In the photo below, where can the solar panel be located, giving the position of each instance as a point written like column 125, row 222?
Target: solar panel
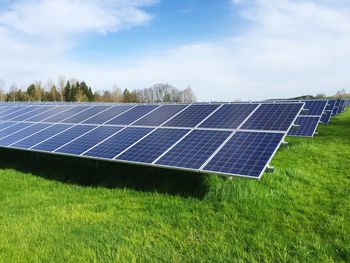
column 229, row 116
column 132, row 115
column 14, row 137
column 59, row 140
column 36, row 138
column 45, row 115
column 191, row 116
column 84, row 143
column 151, row 147
column 108, row 114
column 84, row 115
column 194, row 149
column 160, row 115
column 118, row 143
column 18, row 113
column 178, row 136
column 308, row 126
column 66, row 114
column 326, row 117
column 277, row 117
column 315, row 108
column 246, row 153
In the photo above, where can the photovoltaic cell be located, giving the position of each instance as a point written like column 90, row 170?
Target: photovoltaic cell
column 160, row 115
column 88, row 140
column 132, row 115
column 118, row 143
column 10, row 110
column 48, row 114
column 194, row 149
column 229, row 116
column 80, row 117
column 5, row 125
column 17, row 113
column 246, row 153
column 63, row 138
column 14, row 128
column 273, row 117
column 66, row 114
column 151, row 147
column 32, row 113
column 41, row 136
column 192, row 116
column 315, row 108
column 307, row 127
column 108, row 114
column 14, row 137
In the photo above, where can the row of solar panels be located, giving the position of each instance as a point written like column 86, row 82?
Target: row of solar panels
column 233, row 139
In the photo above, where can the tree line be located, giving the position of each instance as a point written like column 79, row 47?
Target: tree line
column 73, row 90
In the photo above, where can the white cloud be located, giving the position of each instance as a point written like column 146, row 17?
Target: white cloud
column 288, row 48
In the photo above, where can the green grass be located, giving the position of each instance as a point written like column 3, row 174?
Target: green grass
column 54, row 209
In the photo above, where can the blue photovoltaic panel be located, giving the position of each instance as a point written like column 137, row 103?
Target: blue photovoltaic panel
column 151, row 147
column 66, row 114
column 307, row 127
column 229, row 116
column 160, row 115
column 63, row 138
column 315, row 108
column 246, row 153
column 48, row 114
column 336, row 105
column 18, row 113
column 108, row 114
column 14, row 128
column 273, row 117
column 88, row 140
column 132, row 115
column 118, row 143
column 330, row 105
column 14, row 137
column 5, row 125
column 30, row 114
column 340, row 107
column 326, row 116
column 194, row 149
column 80, row 117
column 192, row 116
column 10, row 110
column 41, row 136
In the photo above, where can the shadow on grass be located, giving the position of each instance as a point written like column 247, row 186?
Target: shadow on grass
column 86, row 172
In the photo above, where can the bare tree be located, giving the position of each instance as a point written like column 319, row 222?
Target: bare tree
column 61, row 82
column 116, row 94
column 2, row 90
column 341, row 93
column 13, row 91
column 188, row 95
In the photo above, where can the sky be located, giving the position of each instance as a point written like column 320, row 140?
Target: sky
column 223, row 49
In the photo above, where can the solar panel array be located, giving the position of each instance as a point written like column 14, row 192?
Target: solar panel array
column 224, row 138
column 309, row 119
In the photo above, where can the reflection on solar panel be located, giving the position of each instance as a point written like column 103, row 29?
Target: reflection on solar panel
column 308, row 126
column 246, row 153
column 236, row 138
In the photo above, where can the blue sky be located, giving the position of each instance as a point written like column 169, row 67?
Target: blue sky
column 223, row 49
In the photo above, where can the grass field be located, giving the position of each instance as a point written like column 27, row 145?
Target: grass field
column 54, row 209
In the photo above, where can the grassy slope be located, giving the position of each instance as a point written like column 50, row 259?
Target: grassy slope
column 299, row 213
